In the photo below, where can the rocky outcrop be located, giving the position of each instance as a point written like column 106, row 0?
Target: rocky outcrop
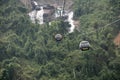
column 68, row 3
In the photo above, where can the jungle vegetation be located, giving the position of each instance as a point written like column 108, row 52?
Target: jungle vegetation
column 29, row 51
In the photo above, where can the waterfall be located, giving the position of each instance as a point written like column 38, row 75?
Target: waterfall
column 36, row 15
column 35, row 3
column 71, row 22
column 59, row 12
column 32, row 15
column 39, row 16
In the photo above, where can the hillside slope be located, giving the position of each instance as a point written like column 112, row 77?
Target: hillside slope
column 30, row 52
column 68, row 3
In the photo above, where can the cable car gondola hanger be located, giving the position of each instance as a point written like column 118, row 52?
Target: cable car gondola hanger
column 85, row 45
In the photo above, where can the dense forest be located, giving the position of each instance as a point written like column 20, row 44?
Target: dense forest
column 29, row 51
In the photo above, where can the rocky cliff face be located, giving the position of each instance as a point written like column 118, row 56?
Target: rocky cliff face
column 57, row 2
column 60, row 9
column 68, row 3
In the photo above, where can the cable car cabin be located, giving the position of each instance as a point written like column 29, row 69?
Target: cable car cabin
column 58, row 37
column 84, row 45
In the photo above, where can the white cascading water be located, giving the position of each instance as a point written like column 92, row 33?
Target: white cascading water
column 35, row 3
column 32, row 15
column 58, row 13
column 37, row 15
column 71, row 22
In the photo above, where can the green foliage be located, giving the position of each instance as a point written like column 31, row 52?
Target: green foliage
column 30, row 52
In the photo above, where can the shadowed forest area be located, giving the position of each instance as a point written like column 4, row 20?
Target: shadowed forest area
column 29, row 51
